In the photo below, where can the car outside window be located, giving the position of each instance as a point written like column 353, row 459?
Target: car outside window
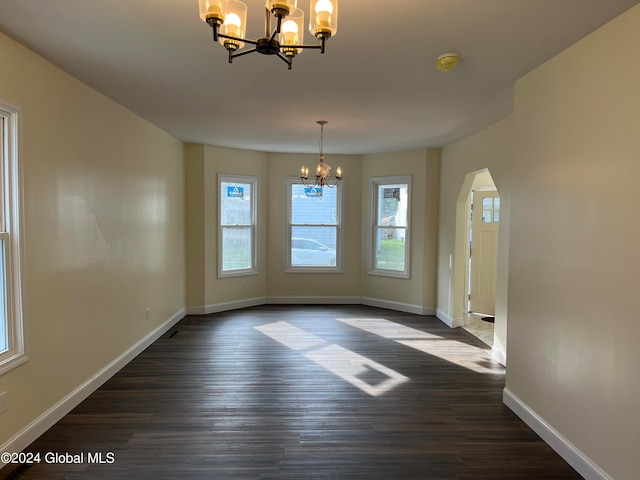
column 314, row 234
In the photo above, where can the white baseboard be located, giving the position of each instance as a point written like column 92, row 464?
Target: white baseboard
column 449, row 320
column 226, row 306
column 574, row 457
column 314, row 300
column 399, row 306
column 31, row 432
column 499, row 355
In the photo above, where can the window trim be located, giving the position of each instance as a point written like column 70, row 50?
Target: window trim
column 374, row 184
column 11, row 191
column 288, row 268
column 253, row 181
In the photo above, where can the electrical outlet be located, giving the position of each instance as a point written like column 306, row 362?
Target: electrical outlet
column 3, row 402
column 146, row 314
column 379, row 284
column 245, row 284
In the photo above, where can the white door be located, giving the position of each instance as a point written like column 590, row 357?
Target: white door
column 485, row 218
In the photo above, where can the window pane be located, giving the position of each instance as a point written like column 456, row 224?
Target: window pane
column 313, row 246
column 237, row 248
column 390, row 249
column 235, row 201
column 313, row 206
column 392, row 205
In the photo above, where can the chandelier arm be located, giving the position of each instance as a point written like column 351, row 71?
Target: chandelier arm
column 286, row 60
column 245, row 52
column 240, row 39
column 277, row 29
column 314, row 47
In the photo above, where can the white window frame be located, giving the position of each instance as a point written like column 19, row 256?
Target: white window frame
column 253, row 181
column 375, row 183
column 290, row 181
column 11, row 234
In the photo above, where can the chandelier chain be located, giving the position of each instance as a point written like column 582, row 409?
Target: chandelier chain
column 322, row 124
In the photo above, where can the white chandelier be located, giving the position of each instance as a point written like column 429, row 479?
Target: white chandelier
column 228, row 19
column 323, row 169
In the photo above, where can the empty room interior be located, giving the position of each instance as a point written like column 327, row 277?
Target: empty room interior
column 441, row 297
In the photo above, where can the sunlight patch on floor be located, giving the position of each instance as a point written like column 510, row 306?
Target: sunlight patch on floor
column 386, row 329
column 459, row 353
column 291, row 336
column 369, row 376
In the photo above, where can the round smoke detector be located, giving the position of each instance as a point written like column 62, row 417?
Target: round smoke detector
column 447, row 62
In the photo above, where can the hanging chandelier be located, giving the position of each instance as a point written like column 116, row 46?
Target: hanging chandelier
column 228, row 19
column 323, row 169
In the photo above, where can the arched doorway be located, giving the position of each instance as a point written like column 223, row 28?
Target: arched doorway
column 482, row 282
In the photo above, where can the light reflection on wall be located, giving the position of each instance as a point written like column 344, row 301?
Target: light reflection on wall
column 110, row 220
column 369, row 376
column 151, row 215
column 79, row 241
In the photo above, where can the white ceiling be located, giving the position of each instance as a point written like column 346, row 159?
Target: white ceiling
column 377, row 85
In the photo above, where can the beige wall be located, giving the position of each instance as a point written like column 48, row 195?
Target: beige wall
column 490, row 150
column 205, row 292
column 286, row 286
column 567, row 163
column 220, row 160
column 574, row 267
column 195, row 224
column 104, row 232
column 424, row 168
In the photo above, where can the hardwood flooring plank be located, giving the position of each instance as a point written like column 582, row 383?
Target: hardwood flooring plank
column 313, row 392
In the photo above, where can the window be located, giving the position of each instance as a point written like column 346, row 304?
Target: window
column 314, row 228
column 491, row 210
column 390, row 221
column 237, row 219
column 12, row 345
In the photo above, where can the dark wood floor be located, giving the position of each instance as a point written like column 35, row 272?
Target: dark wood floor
column 292, row 393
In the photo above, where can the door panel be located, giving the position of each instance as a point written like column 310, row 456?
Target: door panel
column 484, row 252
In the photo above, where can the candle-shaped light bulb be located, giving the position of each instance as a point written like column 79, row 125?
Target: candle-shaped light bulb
column 233, row 23
column 324, row 6
column 339, row 172
column 289, row 31
column 324, row 9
